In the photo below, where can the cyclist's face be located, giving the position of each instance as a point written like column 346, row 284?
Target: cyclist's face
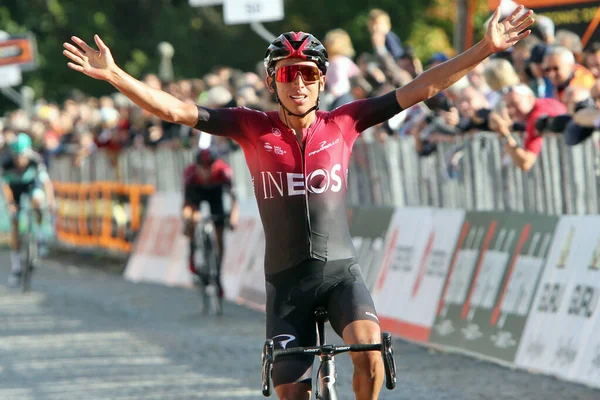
column 21, row 160
column 299, row 93
column 203, row 170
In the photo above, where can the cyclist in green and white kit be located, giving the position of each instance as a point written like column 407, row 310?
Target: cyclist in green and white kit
column 24, row 173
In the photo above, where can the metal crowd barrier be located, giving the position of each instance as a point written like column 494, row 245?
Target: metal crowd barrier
column 564, row 180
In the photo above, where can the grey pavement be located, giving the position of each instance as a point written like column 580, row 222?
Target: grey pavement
column 83, row 333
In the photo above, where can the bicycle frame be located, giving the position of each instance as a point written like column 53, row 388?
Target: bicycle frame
column 327, row 372
column 30, row 252
column 205, row 240
column 30, row 242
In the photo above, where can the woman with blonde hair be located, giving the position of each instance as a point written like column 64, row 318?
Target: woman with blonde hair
column 341, row 67
column 499, row 74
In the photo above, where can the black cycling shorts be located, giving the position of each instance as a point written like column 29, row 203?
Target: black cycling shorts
column 292, row 297
column 18, row 190
column 195, row 194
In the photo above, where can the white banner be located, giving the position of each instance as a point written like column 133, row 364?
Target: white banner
column 240, row 247
column 405, row 242
column 252, row 281
column 487, row 282
column 523, row 281
column 459, row 281
column 161, row 251
column 204, row 3
column 563, row 313
column 10, row 75
column 583, row 312
column 415, row 307
column 248, row 11
column 587, row 368
column 408, row 244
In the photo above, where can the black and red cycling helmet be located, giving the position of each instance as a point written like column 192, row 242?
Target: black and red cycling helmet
column 206, row 157
column 299, row 45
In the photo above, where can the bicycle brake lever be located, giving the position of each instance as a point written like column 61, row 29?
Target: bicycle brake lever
column 267, row 365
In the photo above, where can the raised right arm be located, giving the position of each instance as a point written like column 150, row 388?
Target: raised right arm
column 155, row 101
column 100, row 64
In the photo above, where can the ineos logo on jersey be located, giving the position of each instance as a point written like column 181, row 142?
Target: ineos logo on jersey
column 324, row 146
column 319, row 180
column 276, row 132
column 294, row 184
column 268, row 147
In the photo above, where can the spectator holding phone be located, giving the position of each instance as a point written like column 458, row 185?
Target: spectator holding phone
column 523, row 107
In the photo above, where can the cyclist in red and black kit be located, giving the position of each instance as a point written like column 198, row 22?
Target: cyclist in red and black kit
column 205, row 180
column 298, row 159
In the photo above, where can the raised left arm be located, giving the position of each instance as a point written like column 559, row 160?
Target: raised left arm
column 499, row 37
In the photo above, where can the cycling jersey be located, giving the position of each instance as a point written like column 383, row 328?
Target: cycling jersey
column 198, row 188
column 300, row 188
column 24, row 181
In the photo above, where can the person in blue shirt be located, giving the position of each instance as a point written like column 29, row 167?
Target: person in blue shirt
column 379, row 21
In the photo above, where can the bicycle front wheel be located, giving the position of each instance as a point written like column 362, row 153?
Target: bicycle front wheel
column 30, row 255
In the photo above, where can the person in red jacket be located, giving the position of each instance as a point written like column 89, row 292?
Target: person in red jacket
column 522, row 106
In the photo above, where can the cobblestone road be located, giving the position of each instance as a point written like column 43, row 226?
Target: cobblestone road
column 87, row 334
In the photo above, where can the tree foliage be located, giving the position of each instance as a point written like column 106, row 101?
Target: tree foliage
column 133, row 28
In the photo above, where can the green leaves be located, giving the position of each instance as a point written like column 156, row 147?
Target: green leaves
column 133, row 29
column 56, row 9
column 137, row 64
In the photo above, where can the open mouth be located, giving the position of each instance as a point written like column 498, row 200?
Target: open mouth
column 298, row 99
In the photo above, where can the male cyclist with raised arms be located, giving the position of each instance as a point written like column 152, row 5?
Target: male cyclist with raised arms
column 298, row 158
column 204, row 180
column 24, row 173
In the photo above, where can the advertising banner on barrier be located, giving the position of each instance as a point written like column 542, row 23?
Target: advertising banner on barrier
column 566, row 304
column 587, row 368
column 411, row 311
column 492, row 282
column 100, row 214
column 368, row 227
column 252, row 280
column 240, row 247
column 409, row 236
column 161, row 250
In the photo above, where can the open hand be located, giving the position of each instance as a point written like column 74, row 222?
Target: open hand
column 502, row 35
column 93, row 63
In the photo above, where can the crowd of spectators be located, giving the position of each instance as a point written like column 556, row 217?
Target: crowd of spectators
column 535, row 88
